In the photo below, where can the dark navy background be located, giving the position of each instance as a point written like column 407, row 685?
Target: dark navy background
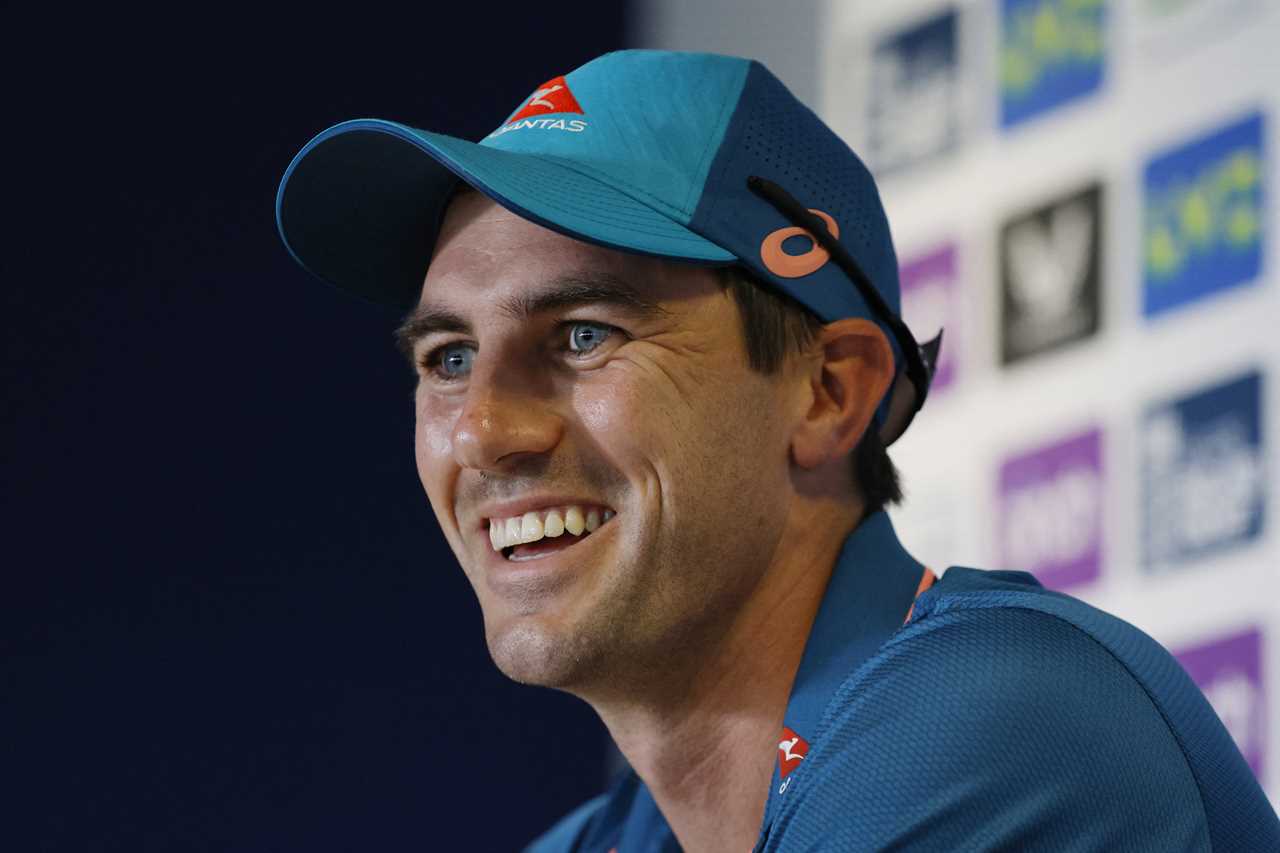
column 229, row 619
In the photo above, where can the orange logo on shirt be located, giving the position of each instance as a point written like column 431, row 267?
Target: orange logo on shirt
column 552, row 96
column 791, row 751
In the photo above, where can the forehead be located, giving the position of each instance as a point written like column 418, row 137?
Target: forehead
column 485, row 252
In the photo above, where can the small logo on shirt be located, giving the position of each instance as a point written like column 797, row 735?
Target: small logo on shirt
column 791, row 751
column 552, row 96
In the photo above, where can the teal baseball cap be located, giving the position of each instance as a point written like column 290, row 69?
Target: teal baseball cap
column 694, row 157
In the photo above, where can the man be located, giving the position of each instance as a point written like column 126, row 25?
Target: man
column 654, row 321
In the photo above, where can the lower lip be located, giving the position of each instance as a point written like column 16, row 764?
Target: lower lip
column 541, row 571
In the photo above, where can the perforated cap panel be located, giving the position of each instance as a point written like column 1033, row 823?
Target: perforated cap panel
column 774, row 136
column 820, row 170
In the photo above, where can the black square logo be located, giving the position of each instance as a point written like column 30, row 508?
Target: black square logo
column 1050, row 263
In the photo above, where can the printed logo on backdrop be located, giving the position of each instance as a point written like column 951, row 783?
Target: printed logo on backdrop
column 1204, row 477
column 931, row 301
column 1202, row 216
column 914, row 97
column 1051, row 510
column 1229, row 673
column 1050, row 263
column 1051, row 52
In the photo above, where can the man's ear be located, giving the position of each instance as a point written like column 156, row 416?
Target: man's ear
column 847, row 381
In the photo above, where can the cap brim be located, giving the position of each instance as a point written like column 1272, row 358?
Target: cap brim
column 360, row 205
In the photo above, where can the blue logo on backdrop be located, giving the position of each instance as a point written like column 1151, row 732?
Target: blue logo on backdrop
column 1204, row 476
column 1202, row 216
column 1051, row 52
column 915, row 93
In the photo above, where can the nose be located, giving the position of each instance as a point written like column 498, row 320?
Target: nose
column 500, row 426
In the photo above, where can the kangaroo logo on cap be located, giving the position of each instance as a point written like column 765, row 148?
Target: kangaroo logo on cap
column 785, row 265
column 552, row 96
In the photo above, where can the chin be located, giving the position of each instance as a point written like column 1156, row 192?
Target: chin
column 533, row 654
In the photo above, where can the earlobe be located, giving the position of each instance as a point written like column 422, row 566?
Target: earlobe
column 847, row 382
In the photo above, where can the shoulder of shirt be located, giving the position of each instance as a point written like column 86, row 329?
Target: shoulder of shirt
column 993, row 674
column 566, row 834
column 596, row 820
column 975, row 590
column 1010, row 615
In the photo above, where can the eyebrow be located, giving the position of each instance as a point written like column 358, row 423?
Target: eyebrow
column 567, row 291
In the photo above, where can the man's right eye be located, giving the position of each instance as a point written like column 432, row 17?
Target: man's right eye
column 451, row 361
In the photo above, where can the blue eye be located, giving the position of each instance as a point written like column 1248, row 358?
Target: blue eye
column 584, row 337
column 452, row 361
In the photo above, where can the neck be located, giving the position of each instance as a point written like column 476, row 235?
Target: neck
column 704, row 739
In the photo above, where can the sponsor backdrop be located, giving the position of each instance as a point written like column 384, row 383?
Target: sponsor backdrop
column 1080, row 195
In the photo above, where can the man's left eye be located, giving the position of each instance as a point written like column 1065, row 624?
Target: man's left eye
column 585, row 337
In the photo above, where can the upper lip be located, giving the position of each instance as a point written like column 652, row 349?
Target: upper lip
column 533, row 503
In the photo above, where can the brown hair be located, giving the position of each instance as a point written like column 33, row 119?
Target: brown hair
column 775, row 325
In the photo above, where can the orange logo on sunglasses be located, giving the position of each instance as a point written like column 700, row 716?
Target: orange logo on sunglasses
column 785, row 265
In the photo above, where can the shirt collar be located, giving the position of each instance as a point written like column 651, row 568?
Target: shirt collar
column 872, row 588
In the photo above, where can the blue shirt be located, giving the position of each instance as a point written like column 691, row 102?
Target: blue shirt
column 979, row 712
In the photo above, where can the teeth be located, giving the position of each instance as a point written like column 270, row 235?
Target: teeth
column 532, row 526
column 573, row 521
column 554, row 525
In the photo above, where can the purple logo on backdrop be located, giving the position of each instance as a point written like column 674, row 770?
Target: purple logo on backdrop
column 930, row 302
column 1229, row 672
column 1051, row 511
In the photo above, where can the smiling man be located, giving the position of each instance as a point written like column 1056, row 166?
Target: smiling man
column 654, row 320
column 571, row 434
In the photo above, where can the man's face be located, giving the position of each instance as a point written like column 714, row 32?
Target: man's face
column 556, row 374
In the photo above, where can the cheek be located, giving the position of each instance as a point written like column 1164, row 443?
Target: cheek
column 603, row 408
column 703, row 433
column 627, row 420
column 432, row 445
column 438, row 471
